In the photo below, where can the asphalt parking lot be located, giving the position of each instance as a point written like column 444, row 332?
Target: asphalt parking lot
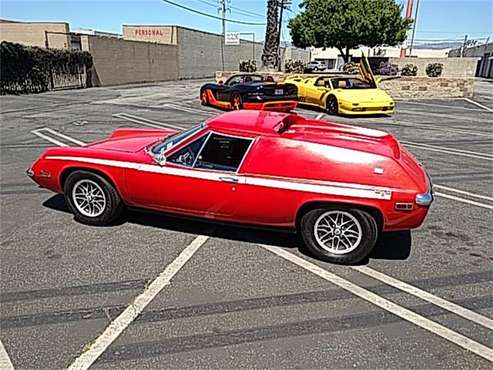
column 242, row 297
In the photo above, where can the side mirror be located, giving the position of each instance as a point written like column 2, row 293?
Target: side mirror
column 160, row 159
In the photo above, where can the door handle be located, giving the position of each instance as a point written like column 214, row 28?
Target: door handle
column 229, row 179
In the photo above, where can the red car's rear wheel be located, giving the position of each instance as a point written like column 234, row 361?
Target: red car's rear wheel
column 339, row 235
column 91, row 198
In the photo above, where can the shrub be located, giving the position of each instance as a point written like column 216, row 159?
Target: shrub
column 248, row 65
column 409, row 70
column 350, row 67
column 434, row 69
column 387, row 69
column 294, row 66
column 25, row 69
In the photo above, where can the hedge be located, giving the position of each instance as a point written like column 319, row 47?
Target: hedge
column 25, row 69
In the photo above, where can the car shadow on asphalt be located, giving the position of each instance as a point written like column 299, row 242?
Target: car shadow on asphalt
column 390, row 246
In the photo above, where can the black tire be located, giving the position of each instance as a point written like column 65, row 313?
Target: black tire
column 332, row 105
column 113, row 205
column 369, row 235
column 204, row 99
column 234, row 98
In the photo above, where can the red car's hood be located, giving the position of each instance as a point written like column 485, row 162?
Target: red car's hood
column 131, row 140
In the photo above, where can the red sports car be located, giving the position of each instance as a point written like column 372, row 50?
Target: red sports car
column 338, row 186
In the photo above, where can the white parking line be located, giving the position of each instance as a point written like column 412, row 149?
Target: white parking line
column 41, row 132
column 117, row 326
column 319, row 116
column 443, row 115
column 5, row 363
column 462, row 192
column 439, row 105
column 462, row 200
column 188, row 109
column 63, row 136
column 425, row 126
column 402, row 312
column 478, row 104
column 43, row 136
column 146, row 121
column 435, row 149
column 437, row 301
column 448, row 148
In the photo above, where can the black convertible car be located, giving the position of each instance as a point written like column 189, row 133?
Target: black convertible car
column 250, row 91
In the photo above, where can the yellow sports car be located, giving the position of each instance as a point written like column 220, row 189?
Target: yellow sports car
column 344, row 94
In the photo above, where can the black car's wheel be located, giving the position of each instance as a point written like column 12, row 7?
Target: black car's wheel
column 339, row 235
column 236, row 103
column 332, row 105
column 204, row 99
column 92, row 199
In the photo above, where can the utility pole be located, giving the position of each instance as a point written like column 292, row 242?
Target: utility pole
column 409, row 13
column 283, row 4
column 414, row 27
column 463, row 47
column 223, row 8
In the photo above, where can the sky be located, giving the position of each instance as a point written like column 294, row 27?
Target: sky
column 437, row 19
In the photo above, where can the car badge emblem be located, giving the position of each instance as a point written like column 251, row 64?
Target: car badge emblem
column 378, row 170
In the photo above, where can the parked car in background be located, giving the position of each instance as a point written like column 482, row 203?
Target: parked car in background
column 350, row 94
column 338, row 186
column 315, row 66
column 342, row 94
column 250, row 91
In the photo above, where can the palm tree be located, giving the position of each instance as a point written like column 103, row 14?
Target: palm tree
column 271, row 46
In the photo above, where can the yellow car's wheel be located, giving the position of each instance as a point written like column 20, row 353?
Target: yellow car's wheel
column 332, row 105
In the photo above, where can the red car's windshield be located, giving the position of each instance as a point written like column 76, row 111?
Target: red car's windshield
column 175, row 139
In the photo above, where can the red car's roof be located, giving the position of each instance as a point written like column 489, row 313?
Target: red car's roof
column 253, row 121
column 293, row 126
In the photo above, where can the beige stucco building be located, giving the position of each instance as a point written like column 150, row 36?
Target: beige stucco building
column 42, row 34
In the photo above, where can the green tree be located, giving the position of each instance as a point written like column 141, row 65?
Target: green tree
column 347, row 24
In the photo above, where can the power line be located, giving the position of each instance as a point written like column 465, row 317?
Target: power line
column 239, row 10
column 212, row 16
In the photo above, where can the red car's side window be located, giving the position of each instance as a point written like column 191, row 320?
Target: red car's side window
column 223, row 153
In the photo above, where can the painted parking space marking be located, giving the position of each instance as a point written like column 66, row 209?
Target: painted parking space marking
column 190, row 109
column 319, row 116
column 462, row 192
column 448, row 116
column 55, row 137
column 447, row 148
column 146, row 122
column 48, row 138
column 385, row 304
column 463, row 200
column 439, row 106
column 117, row 326
column 478, row 104
column 437, row 301
column 63, row 136
column 484, row 156
column 5, row 363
